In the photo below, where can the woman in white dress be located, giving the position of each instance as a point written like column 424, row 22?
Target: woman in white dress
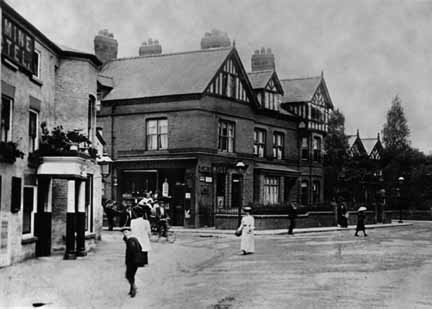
column 247, row 227
column 140, row 231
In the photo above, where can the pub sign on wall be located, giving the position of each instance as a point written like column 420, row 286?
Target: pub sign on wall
column 17, row 45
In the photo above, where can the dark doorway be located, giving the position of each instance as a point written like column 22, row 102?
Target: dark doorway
column 235, row 191
column 178, row 202
column 43, row 219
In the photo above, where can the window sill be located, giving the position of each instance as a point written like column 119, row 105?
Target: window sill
column 26, row 240
column 10, row 64
column 90, row 235
column 36, row 80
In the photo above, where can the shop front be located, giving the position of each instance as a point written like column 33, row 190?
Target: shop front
column 170, row 181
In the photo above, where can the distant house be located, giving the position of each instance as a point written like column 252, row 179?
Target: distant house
column 370, row 147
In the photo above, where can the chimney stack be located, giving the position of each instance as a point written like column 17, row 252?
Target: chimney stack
column 105, row 46
column 151, row 47
column 215, row 39
column 263, row 60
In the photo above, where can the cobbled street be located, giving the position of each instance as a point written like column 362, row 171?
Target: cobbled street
column 389, row 269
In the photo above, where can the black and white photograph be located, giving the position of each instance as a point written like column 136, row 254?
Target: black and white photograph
column 216, row 154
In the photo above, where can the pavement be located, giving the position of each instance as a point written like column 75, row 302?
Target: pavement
column 213, row 231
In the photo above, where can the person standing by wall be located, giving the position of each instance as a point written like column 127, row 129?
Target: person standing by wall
column 247, row 226
column 292, row 215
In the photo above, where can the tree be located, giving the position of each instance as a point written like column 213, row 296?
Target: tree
column 396, row 132
column 336, row 146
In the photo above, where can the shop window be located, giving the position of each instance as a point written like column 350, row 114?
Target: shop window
column 316, row 192
column 28, row 210
column 33, row 130
column 304, row 187
column 259, row 143
column 271, row 190
column 278, row 145
column 304, row 148
column 317, row 149
column 226, row 136
column 157, row 134
column 89, row 204
column 6, row 119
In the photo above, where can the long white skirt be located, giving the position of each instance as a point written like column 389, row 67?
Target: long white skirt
column 247, row 241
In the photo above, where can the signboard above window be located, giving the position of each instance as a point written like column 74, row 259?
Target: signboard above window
column 17, row 45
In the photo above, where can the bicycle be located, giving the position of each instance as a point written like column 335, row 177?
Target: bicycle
column 158, row 232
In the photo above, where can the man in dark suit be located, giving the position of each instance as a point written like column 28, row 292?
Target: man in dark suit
column 161, row 218
column 292, row 215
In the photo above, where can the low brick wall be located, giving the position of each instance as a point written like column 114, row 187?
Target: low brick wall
column 413, row 215
column 310, row 219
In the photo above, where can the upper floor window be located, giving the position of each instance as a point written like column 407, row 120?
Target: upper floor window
column 91, row 118
column 6, row 119
column 271, row 190
column 157, row 134
column 304, row 148
column 259, row 143
column 278, row 145
column 226, row 133
column 37, row 64
column 33, row 130
column 270, row 100
column 317, row 149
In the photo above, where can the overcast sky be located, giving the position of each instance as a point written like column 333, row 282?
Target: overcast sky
column 369, row 50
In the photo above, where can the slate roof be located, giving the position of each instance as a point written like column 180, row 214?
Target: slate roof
column 105, row 81
column 299, row 89
column 165, row 74
column 351, row 140
column 259, row 79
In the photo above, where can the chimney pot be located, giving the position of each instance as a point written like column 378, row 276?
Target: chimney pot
column 262, row 60
column 105, row 46
column 214, row 39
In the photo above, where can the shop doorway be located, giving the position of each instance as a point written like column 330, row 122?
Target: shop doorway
column 178, row 209
column 236, row 191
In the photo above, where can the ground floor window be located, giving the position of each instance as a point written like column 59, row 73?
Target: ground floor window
column 316, row 192
column 28, row 210
column 271, row 190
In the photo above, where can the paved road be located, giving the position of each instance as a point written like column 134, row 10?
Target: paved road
column 389, row 269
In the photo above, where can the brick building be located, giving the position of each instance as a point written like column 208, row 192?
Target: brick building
column 186, row 121
column 45, row 203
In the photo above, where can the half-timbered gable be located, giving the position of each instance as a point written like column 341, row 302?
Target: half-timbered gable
column 267, row 88
column 309, row 99
column 230, row 81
